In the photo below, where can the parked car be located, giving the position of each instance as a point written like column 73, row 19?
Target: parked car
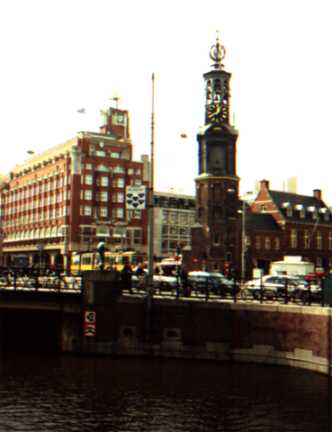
column 216, row 283
column 160, row 282
column 308, row 290
column 272, row 287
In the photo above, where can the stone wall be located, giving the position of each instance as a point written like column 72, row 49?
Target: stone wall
column 298, row 336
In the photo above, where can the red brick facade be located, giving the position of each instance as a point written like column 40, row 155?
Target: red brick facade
column 72, row 196
column 302, row 227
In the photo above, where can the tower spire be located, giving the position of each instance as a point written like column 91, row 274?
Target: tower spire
column 217, row 54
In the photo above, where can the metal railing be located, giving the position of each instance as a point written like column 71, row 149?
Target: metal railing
column 234, row 291
column 34, row 280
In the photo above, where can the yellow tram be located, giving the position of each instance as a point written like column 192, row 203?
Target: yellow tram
column 86, row 261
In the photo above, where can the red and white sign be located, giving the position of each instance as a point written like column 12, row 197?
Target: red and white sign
column 89, row 323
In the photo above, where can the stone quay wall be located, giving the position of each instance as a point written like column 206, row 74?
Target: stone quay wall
column 291, row 335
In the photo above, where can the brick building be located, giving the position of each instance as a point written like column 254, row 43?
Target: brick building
column 215, row 235
column 283, row 223
column 229, row 234
column 72, row 196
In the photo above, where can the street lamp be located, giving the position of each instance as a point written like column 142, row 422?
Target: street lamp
column 245, row 199
column 243, row 242
column 150, row 199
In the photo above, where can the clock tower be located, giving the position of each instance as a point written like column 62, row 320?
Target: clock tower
column 215, row 242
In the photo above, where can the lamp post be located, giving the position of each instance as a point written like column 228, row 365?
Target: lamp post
column 150, row 196
column 243, row 242
column 245, row 199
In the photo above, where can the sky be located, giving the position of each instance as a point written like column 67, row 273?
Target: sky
column 60, row 56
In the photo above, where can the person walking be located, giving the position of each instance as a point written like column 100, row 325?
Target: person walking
column 126, row 275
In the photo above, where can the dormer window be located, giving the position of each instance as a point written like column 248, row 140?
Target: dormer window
column 300, row 208
column 325, row 212
column 288, row 208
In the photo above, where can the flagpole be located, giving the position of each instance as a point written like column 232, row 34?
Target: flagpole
column 150, row 207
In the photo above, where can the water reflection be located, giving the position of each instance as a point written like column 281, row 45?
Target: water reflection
column 62, row 393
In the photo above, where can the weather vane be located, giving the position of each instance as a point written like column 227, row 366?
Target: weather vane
column 217, row 53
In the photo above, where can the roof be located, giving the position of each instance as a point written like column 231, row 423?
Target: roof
column 294, row 199
column 310, row 204
column 262, row 222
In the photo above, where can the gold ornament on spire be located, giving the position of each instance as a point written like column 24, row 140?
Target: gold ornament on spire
column 217, row 54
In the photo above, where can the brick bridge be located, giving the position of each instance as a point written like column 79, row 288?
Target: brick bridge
column 101, row 320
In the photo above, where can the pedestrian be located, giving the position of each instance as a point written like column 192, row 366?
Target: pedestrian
column 184, row 281
column 126, row 274
column 140, row 273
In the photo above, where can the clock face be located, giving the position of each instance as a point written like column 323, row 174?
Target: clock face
column 119, row 119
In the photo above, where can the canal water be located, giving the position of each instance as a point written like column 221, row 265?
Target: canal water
column 64, row 393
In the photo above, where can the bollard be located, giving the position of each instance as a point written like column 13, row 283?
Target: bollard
column 286, row 291
column 207, row 289
column 261, row 290
column 234, row 290
column 309, row 293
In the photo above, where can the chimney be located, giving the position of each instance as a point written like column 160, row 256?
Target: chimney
column 265, row 184
column 318, row 194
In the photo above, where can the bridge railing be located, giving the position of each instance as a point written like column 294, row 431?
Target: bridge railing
column 34, row 280
column 311, row 294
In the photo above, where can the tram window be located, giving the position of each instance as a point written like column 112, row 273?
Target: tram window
column 86, row 260
column 75, row 259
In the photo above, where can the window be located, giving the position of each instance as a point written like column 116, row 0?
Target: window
column 117, row 213
column 330, row 240
column 302, row 213
column 258, row 242
column 267, row 243
column 293, row 238
column 277, row 243
column 319, row 240
column 119, row 182
column 306, row 239
column 263, row 208
column 103, row 211
column 88, row 179
column 104, row 181
column 119, row 170
column 137, row 236
column 289, row 212
column 86, row 210
column 102, row 196
column 118, row 197
column 88, row 194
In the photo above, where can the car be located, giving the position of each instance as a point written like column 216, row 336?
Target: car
column 272, row 287
column 216, row 283
column 160, row 282
column 308, row 290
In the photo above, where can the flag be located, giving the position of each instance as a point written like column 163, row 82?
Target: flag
column 81, row 111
